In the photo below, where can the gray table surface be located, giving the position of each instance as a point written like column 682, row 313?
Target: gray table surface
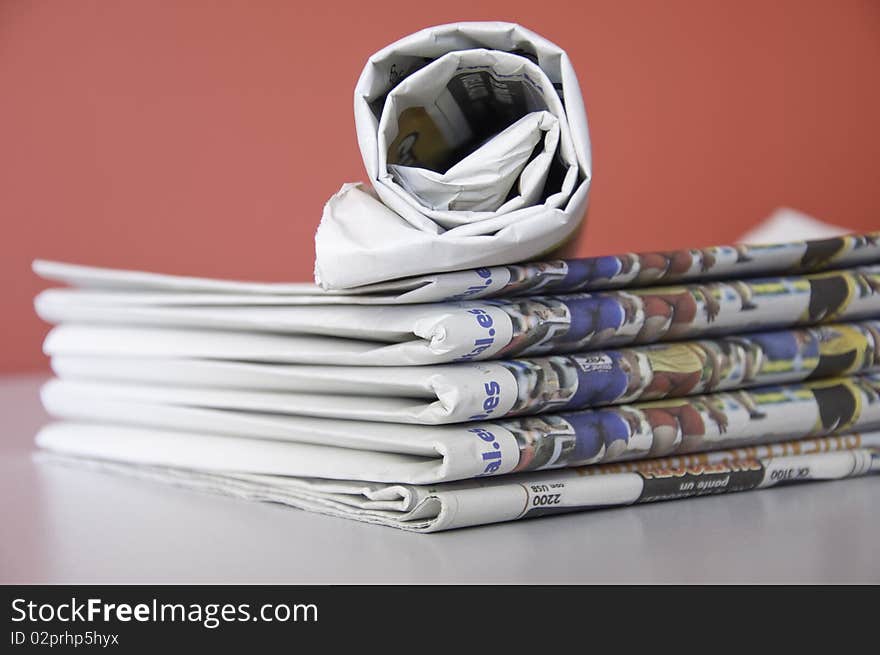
column 63, row 525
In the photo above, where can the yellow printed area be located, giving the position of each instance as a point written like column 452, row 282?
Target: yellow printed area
column 675, row 359
column 845, row 339
column 419, row 141
column 774, row 288
column 749, row 453
column 786, row 365
column 776, row 397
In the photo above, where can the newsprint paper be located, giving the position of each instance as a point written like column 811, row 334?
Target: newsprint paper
column 395, row 335
column 471, row 391
column 432, row 508
column 172, row 427
column 561, row 276
column 448, row 367
column 475, row 141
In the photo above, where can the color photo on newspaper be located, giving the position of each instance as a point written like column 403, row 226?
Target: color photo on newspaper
column 564, row 276
column 696, row 424
column 581, row 322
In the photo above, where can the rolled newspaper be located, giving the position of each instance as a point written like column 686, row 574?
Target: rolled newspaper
column 475, row 141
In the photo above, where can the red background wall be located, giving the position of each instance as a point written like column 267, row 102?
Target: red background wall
column 204, row 137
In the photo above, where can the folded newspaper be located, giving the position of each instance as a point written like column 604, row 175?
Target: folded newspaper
column 491, row 329
column 452, row 393
column 146, row 380
column 197, row 429
column 446, row 370
column 552, row 276
column 432, row 508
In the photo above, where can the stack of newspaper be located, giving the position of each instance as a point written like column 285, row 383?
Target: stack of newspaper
column 366, row 405
column 434, row 400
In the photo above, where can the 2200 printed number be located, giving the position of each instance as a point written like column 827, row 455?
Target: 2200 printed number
column 546, row 499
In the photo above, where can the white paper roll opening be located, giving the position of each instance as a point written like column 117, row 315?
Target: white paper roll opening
column 475, row 140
